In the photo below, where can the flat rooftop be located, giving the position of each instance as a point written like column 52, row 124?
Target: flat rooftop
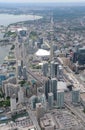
column 47, row 121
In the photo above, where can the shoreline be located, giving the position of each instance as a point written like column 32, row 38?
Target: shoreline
column 30, row 18
column 13, row 19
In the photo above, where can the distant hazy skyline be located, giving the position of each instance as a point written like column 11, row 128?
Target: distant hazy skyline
column 40, row 1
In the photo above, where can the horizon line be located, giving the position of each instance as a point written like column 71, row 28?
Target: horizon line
column 43, row 2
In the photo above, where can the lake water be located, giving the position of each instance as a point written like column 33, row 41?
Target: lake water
column 3, row 52
column 6, row 19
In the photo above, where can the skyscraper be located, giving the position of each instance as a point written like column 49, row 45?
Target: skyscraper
column 39, row 110
column 60, row 72
column 52, row 69
column 24, row 73
column 13, row 102
column 43, row 100
column 34, row 100
column 19, row 69
column 45, row 68
column 50, row 99
column 81, row 56
column 60, row 98
column 21, row 95
column 47, row 88
column 54, row 88
column 56, row 68
column 75, row 96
